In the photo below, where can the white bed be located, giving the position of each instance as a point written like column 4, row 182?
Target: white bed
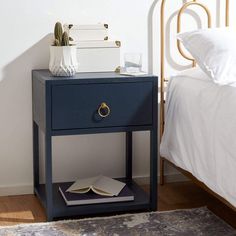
column 200, row 130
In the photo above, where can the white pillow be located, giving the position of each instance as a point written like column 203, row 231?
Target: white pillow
column 214, row 51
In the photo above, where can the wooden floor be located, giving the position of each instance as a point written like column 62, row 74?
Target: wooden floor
column 26, row 208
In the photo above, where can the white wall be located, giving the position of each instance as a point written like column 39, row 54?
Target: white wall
column 24, row 42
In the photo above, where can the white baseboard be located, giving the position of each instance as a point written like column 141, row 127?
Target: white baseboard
column 16, row 190
column 28, row 189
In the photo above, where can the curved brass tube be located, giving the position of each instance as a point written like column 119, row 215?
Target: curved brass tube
column 179, row 21
column 162, row 69
column 227, row 13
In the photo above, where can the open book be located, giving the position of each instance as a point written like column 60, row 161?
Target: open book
column 101, row 185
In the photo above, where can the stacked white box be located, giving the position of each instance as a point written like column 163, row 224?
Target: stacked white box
column 87, row 32
column 94, row 52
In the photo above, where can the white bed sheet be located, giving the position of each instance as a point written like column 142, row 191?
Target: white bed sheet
column 200, row 130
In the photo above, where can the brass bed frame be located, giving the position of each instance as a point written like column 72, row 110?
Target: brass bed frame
column 164, row 80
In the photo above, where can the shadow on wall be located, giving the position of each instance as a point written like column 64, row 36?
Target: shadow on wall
column 36, row 57
column 151, row 36
column 218, row 13
column 16, row 81
column 17, row 74
column 16, row 103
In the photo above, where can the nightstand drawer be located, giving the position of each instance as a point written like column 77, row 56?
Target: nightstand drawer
column 121, row 104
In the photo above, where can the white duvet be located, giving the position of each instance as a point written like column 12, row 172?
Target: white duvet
column 200, row 130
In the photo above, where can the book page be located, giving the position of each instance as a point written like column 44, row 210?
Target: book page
column 108, row 185
column 100, row 192
column 82, row 185
column 83, row 190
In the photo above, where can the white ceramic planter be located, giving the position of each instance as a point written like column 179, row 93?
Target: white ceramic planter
column 63, row 60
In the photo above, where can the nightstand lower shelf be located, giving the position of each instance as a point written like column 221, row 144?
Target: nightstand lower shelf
column 141, row 202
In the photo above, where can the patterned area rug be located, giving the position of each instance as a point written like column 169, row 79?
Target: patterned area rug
column 181, row 222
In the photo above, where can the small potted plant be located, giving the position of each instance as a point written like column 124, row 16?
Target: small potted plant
column 63, row 59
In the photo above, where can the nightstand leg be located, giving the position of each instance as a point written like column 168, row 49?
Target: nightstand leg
column 129, row 154
column 48, row 176
column 153, row 169
column 36, row 154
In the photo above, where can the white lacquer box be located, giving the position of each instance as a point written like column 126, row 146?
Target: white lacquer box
column 98, row 56
column 87, row 32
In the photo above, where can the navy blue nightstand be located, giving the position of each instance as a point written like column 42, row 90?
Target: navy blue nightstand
column 91, row 103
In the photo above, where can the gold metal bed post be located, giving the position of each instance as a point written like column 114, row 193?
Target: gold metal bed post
column 162, row 65
column 227, row 13
column 162, row 75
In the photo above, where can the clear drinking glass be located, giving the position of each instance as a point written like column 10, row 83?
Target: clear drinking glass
column 133, row 62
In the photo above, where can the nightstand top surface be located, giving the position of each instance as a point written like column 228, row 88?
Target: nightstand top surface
column 45, row 75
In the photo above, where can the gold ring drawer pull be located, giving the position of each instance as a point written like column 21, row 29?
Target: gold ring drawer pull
column 104, row 110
